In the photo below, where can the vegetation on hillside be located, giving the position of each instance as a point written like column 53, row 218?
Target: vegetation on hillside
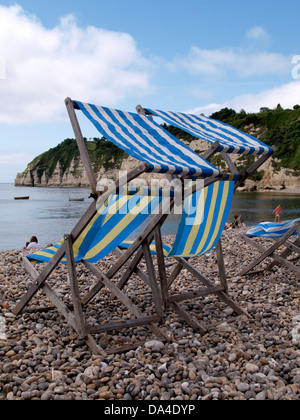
column 276, row 127
column 102, row 153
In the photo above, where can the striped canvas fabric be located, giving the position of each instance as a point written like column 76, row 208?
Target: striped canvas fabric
column 203, row 220
column 271, row 230
column 113, row 223
column 166, row 248
column 204, row 128
column 202, row 223
column 147, row 141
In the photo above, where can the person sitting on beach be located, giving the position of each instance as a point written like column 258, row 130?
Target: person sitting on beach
column 235, row 223
column 277, row 212
column 33, row 243
column 242, row 223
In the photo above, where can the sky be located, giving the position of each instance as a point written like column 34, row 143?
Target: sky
column 189, row 56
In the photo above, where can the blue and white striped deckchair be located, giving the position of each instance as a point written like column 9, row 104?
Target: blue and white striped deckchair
column 281, row 233
column 272, row 230
column 231, row 140
column 147, row 141
column 97, row 234
column 113, row 223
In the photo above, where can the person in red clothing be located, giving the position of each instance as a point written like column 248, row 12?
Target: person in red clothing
column 277, row 212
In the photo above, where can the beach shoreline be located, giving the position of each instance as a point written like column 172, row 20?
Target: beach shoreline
column 288, row 191
column 237, row 359
column 292, row 191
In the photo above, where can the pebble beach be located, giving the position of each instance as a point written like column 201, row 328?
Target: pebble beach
column 238, row 358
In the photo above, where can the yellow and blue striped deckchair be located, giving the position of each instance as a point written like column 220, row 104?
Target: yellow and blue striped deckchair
column 152, row 246
column 203, row 220
column 204, row 217
column 112, row 224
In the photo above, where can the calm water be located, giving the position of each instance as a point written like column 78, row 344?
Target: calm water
column 49, row 214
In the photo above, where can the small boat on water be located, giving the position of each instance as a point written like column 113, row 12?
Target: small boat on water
column 22, row 198
column 76, row 199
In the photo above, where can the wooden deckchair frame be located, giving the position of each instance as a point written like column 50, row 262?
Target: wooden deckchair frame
column 74, row 316
column 130, row 258
column 278, row 259
column 210, row 288
column 243, row 174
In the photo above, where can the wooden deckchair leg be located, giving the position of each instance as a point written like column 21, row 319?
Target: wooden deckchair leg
column 161, row 267
column 221, row 294
column 175, row 273
column 152, row 279
column 126, row 255
column 133, row 267
column 40, row 280
column 74, row 288
column 270, row 253
column 143, row 276
column 50, row 267
column 286, row 253
column 110, row 274
column 81, row 146
column 122, row 297
column 183, row 263
column 62, row 309
column 56, row 301
column 221, row 265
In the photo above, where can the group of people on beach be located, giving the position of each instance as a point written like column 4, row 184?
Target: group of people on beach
column 238, row 222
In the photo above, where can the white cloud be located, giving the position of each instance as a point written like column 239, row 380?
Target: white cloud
column 220, row 63
column 258, row 33
column 2, row 68
column 44, row 66
column 286, row 95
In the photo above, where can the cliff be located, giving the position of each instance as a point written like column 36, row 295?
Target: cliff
column 62, row 166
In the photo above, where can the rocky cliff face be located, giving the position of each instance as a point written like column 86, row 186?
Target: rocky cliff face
column 275, row 179
column 273, row 176
column 74, row 176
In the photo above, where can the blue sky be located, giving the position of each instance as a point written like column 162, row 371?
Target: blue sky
column 192, row 55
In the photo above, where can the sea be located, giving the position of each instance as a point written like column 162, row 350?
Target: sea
column 49, row 213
